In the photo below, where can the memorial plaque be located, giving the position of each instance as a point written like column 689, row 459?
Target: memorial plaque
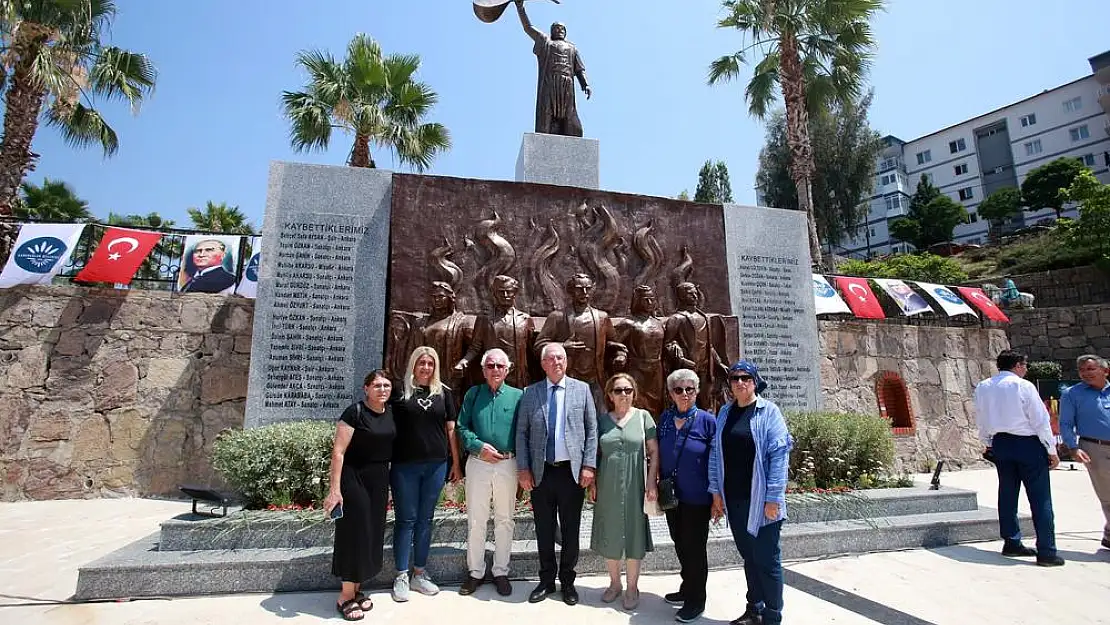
column 320, row 311
column 771, row 287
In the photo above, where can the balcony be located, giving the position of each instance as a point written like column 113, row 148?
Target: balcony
column 1104, row 99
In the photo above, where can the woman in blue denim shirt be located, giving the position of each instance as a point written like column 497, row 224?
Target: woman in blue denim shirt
column 748, row 470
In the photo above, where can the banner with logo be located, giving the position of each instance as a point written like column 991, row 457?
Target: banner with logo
column 826, row 298
column 208, row 264
column 907, row 299
column 860, row 299
column 949, row 301
column 248, row 284
column 118, row 256
column 39, row 253
column 985, row 304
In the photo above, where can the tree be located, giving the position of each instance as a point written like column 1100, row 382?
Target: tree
column 713, row 184
column 1092, row 229
column 1046, row 186
column 371, row 96
column 924, row 266
column 220, row 218
column 815, row 51
column 930, row 223
column 54, row 64
column 1000, row 206
column 53, row 201
column 845, row 149
column 684, row 196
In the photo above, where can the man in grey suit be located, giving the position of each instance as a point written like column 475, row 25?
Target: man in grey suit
column 556, row 452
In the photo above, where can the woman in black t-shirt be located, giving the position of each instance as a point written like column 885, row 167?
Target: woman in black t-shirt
column 359, row 483
column 425, row 415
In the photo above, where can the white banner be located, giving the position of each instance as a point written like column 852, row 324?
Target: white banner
column 907, row 299
column 951, row 303
column 208, row 264
column 826, row 298
column 39, row 253
column 248, row 283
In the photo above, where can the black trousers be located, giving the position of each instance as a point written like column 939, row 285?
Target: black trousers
column 558, row 498
column 689, row 525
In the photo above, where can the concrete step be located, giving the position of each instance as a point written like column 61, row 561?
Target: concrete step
column 300, row 530
column 141, row 570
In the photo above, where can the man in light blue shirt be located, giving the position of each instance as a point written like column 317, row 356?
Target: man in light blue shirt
column 1085, row 428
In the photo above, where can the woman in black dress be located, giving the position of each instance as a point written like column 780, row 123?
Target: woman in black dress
column 360, row 483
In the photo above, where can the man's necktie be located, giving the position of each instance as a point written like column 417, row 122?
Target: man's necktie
column 552, row 415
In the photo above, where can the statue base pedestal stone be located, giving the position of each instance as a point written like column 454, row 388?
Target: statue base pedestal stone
column 561, row 160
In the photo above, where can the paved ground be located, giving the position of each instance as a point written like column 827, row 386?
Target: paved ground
column 43, row 543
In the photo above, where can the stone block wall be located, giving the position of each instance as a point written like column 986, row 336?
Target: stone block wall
column 1075, row 286
column 1062, row 334
column 939, row 367
column 107, row 391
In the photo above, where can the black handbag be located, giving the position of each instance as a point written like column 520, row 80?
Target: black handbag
column 668, row 490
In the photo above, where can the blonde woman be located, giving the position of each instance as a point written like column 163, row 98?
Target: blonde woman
column 620, row 528
column 425, row 416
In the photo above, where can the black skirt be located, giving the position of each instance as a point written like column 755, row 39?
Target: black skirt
column 360, row 534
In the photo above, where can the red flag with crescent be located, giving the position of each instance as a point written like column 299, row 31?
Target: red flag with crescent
column 860, row 298
column 118, row 256
column 983, row 302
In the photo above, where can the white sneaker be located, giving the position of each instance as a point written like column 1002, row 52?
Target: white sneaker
column 423, row 584
column 401, row 587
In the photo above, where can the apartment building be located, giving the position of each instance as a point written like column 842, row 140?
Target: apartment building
column 972, row 159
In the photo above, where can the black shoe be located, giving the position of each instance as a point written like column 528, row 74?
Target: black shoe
column 570, row 595
column 1106, row 543
column 504, row 588
column 674, row 598
column 1018, row 550
column 688, row 613
column 469, row 586
column 1053, row 561
column 541, row 592
column 749, row 617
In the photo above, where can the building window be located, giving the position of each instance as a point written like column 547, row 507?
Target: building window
column 966, row 193
column 924, row 157
column 1033, row 147
column 894, row 402
column 888, row 179
column 893, row 202
column 1073, row 104
column 972, row 217
column 1028, row 120
column 1080, row 133
column 959, row 145
column 872, row 232
column 961, row 169
column 1089, row 160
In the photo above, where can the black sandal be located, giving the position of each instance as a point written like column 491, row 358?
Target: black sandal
column 362, row 600
column 348, row 607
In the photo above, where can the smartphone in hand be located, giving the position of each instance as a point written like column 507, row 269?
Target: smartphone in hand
column 336, row 512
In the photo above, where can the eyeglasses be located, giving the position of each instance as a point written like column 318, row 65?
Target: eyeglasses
column 685, row 390
column 624, row 390
column 496, row 365
column 740, row 378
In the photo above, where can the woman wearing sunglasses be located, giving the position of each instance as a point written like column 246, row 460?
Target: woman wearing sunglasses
column 748, row 469
column 686, row 435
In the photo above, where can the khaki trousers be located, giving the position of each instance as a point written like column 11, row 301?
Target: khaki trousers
column 1099, row 472
column 486, row 483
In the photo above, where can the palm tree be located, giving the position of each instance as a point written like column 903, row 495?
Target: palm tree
column 220, row 218
column 53, row 63
column 53, row 201
column 371, row 96
column 815, row 51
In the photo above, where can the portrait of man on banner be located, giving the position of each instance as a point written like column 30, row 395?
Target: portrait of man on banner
column 208, row 264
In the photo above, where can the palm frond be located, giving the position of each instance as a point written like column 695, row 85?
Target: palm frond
column 726, row 68
column 123, row 75
column 83, row 128
column 418, row 147
column 761, row 89
column 310, row 121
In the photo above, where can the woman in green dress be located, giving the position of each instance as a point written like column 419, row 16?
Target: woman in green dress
column 620, row 527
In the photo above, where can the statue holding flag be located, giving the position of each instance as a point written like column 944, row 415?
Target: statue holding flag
column 559, row 64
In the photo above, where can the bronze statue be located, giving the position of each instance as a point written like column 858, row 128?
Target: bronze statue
column 642, row 333
column 449, row 332
column 507, row 328
column 695, row 340
column 559, row 64
column 586, row 333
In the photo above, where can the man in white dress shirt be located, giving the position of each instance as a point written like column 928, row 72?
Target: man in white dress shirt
column 1015, row 427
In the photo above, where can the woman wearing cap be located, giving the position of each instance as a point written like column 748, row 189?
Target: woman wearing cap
column 748, row 468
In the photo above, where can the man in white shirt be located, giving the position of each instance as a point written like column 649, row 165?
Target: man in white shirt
column 1015, row 427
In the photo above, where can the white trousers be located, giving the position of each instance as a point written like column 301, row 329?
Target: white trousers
column 486, row 483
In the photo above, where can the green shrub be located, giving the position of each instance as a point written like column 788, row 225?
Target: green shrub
column 280, row 464
column 926, row 267
column 1044, row 370
column 833, row 449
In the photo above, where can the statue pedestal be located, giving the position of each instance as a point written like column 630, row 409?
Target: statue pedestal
column 556, row 159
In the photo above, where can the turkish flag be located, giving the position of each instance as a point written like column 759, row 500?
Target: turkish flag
column 860, row 299
column 983, row 302
column 118, row 256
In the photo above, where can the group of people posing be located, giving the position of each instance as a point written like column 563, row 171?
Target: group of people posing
column 551, row 440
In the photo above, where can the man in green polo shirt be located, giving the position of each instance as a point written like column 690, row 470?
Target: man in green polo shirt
column 486, row 426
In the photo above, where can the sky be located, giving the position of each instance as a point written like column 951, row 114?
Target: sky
column 214, row 124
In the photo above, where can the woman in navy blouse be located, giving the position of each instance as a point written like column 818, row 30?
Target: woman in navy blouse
column 686, row 435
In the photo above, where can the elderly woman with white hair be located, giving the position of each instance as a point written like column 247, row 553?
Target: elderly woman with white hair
column 686, row 435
